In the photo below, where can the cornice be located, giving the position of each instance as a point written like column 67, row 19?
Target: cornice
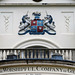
column 37, row 4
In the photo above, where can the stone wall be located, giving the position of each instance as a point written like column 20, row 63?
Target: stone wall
column 62, row 11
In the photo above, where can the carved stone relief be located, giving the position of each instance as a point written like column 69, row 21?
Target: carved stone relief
column 6, row 23
column 67, row 22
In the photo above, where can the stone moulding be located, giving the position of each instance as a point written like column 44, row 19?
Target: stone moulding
column 16, row 4
column 21, row 66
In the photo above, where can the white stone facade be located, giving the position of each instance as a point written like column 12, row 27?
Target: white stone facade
column 62, row 11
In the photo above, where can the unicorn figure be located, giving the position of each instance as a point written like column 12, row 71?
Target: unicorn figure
column 49, row 24
column 24, row 25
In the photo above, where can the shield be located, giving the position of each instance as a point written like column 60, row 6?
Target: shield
column 36, row 27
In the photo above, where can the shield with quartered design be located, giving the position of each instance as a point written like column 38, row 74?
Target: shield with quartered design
column 36, row 27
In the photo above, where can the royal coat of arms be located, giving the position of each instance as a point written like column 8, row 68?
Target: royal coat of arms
column 37, row 26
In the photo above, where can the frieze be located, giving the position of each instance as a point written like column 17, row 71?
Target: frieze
column 37, row 69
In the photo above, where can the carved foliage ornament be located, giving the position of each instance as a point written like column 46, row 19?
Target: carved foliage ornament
column 37, row 25
column 6, row 21
column 67, row 22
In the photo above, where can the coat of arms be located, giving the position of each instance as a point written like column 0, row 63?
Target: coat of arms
column 37, row 26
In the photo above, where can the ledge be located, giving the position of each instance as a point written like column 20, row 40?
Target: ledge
column 37, row 4
column 40, row 66
column 37, row 61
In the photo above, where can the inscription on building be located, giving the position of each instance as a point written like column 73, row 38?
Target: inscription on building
column 38, row 68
